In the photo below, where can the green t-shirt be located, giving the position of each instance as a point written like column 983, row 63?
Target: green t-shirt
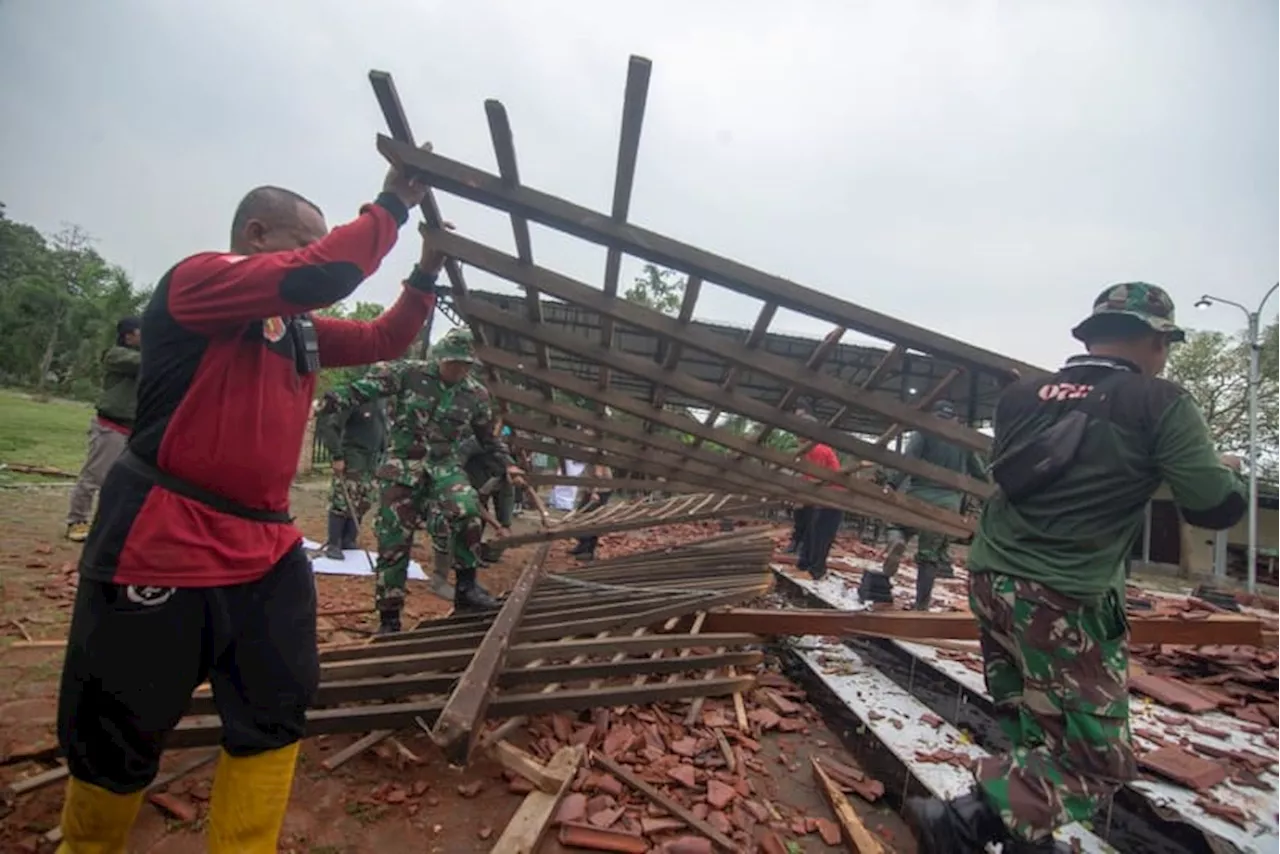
column 931, row 449
column 1075, row 535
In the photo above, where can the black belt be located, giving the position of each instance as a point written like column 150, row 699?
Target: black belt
column 200, row 494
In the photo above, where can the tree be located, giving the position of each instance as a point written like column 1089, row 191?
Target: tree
column 657, row 288
column 59, row 304
column 1214, row 368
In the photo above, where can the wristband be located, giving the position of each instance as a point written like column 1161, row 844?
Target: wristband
column 420, row 281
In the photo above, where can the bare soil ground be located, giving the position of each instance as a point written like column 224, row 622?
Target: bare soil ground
column 377, row 802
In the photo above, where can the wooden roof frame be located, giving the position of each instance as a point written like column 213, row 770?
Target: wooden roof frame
column 753, row 467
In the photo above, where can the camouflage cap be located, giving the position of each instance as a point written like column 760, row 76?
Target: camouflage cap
column 1147, row 303
column 456, row 346
column 944, row 409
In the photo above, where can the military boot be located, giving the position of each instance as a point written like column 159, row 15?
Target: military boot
column 490, row 554
column 470, row 596
column 388, row 623
column 333, row 543
column 926, row 572
column 440, row 576
column 966, row 823
column 875, row 588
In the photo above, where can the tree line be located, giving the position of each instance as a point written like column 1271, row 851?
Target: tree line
column 60, row 300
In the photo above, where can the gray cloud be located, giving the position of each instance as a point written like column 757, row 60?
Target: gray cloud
column 980, row 169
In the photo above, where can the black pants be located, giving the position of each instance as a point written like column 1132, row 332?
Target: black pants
column 800, row 518
column 587, row 545
column 823, row 525
column 135, row 654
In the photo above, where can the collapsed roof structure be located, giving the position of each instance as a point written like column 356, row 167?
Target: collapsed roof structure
column 570, row 355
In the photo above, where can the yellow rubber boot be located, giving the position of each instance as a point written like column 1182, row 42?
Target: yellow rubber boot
column 95, row 820
column 250, row 795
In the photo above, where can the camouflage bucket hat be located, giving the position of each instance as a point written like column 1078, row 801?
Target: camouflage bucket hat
column 944, row 409
column 457, row 346
column 1138, row 300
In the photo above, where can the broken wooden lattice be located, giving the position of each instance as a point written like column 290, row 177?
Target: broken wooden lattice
column 597, row 636
column 862, row 405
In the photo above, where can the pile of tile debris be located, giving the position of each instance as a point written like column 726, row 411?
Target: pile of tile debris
column 698, row 757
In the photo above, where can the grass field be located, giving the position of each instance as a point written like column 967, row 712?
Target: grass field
column 52, row 433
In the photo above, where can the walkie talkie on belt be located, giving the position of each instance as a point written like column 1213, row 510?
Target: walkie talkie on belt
column 306, row 344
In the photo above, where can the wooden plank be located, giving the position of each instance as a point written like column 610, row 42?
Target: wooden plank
column 351, row 751
column 716, row 396
column 523, row 834
column 737, row 353
column 923, row 404
column 669, row 352
column 891, row 357
column 1215, row 629
column 667, row 803
column 820, row 354
column 899, row 505
column 487, row 189
column 458, row 726
column 384, row 89
column 519, row 762
column 860, row 496
column 206, row 730
column 634, row 98
column 857, row 836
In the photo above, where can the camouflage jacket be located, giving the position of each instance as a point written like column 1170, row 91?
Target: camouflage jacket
column 429, row 421
column 356, row 435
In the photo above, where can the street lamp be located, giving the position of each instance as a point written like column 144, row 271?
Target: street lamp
column 1255, row 346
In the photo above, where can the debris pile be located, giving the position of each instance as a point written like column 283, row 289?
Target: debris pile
column 712, row 775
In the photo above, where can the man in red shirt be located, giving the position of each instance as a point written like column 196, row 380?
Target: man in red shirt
column 823, row 522
column 193, row 568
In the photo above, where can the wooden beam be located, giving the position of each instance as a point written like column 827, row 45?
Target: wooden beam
column 820, row 354
column 857, row 836
column 865, row 496
column 706, row 340
column 931, row 397
column 668, row 803
column 754, row 338
column 487, row 189
column 456, row 729
column 1226, row 629
column 669, row 352
column 523, row 834
column 633, row 103
column 504, row 150
column 892, row 356
column 731, row 401
column 751, row 479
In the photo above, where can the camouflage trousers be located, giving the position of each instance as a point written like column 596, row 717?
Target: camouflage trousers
column 931, row 547
column 1057, row 669
column 360, row 486
column 446, row 506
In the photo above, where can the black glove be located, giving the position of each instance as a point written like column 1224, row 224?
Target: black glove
column 426, row 283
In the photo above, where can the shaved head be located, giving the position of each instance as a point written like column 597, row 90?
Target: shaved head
column 272, row 219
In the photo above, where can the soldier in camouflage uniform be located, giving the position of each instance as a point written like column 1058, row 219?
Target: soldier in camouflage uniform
column 355, row 439
column 933, row 550
column 1076, row 456
column 433, row 404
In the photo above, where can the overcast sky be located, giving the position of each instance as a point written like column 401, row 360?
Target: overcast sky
column 979, row 168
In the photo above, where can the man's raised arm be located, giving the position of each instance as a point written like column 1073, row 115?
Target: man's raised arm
column 282, row 261
column 354, row 342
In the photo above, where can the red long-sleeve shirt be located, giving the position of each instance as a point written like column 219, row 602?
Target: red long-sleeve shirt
column 222, row 404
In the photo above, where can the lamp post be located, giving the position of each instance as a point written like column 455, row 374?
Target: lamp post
column 1255, row 346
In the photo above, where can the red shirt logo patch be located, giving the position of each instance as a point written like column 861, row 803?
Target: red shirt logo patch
column 273, row 329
